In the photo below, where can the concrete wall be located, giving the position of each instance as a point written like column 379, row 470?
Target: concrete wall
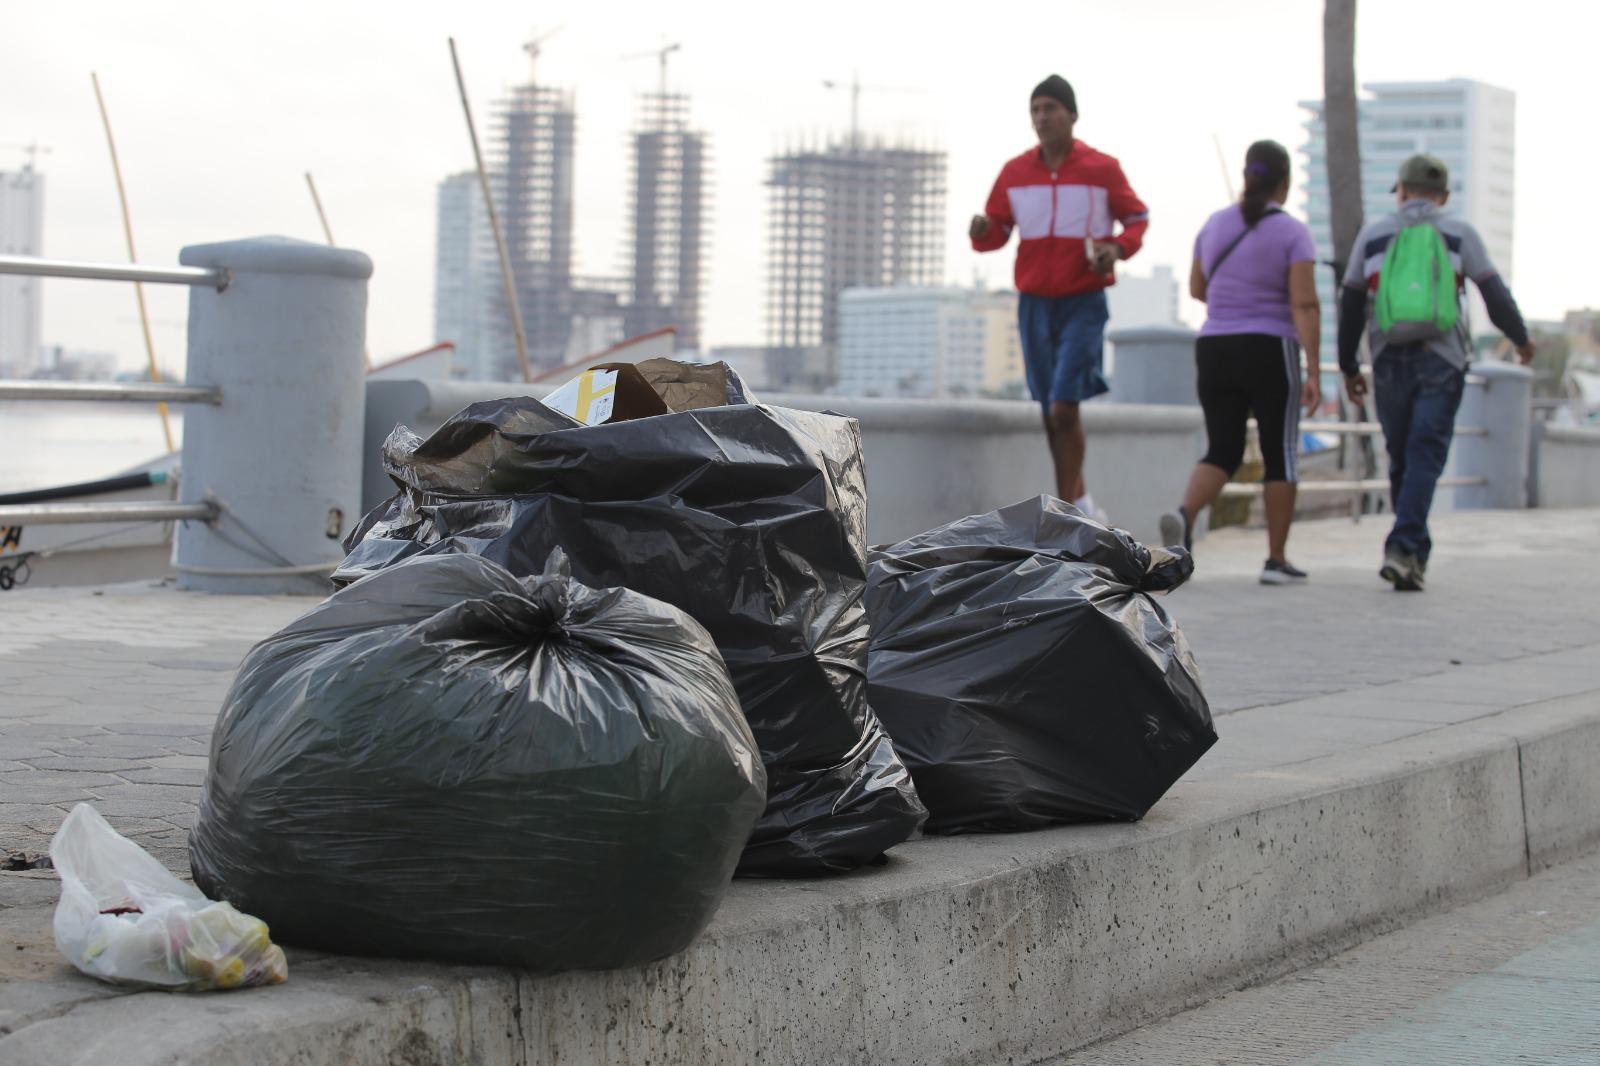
column 928, row 461
column 1564, row 466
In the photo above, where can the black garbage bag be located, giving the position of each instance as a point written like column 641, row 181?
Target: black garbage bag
column 446, row 761
column 1025, row 673
column 750, row 518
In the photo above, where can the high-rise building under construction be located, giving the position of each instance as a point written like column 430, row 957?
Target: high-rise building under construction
column 668, row 208
column 858, row 212
column 534, row 143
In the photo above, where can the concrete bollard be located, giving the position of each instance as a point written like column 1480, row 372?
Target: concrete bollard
column 1496, row 397
column 282, row 453
column 1153, row 364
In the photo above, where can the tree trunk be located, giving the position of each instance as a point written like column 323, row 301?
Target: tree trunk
column 1341, row 121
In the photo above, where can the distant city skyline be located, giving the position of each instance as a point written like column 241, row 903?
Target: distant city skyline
column 217, row 124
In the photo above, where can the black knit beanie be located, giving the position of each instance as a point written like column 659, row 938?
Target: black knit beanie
column 1057, row 89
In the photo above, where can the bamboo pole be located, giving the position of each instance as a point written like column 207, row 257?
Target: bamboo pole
column 322, row 216
column 1222, row 164
column 327, row 231
column 494, row 223
column 133, row 257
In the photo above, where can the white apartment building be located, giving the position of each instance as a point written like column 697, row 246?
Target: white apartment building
column 21, row 233
column 928, row 341
column 1468, row 125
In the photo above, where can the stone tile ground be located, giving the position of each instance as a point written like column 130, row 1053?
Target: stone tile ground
column 108, row 696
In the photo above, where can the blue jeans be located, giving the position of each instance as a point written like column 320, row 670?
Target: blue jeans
column 1416, row 393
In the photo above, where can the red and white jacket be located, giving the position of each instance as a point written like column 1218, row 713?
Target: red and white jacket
column 1054, row 213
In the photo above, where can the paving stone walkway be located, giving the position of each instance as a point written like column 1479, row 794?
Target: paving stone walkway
column 108, row 696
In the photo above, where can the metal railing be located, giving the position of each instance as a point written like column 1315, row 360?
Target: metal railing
column 38, row 514
column 130, row 392
column 1370, row 429
column 1350, row 486
column 1235, row 489
column 56, row 514
column 64, row 268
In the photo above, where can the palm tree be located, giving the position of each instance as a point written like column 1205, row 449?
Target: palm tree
column 1341, row 122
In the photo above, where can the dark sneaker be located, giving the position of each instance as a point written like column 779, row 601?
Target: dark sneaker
column 1402, row 571
column 1177, row 529
column 1278, row 572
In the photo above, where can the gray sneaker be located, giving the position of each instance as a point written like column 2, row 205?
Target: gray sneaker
column 1401, row 570
column 1176, row 529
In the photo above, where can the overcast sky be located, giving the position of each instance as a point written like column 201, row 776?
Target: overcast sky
column 220, row 108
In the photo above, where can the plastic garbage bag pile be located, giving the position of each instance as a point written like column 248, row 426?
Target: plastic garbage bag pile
column 750, row 518
column 1025, row 673
column 603, row 651
column 449, row 761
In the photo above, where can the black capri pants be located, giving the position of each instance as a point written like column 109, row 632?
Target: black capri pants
column 1241, row 374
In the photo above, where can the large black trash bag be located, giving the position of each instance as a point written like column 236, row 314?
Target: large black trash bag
column 1025, row 673
column 750, row 518
column 447, row 761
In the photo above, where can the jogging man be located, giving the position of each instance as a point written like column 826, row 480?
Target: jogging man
column 1419, row 340
column 1062, row 198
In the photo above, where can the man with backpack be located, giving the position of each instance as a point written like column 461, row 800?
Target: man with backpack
column 1409, row 270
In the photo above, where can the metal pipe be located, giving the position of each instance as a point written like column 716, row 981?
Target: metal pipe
column 122, row 483
column 1365, row 429
column 59, row 514
column 65, row 268
column 131, row 392
column 1376, row 484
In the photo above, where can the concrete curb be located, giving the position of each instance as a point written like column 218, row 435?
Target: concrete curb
column 985, row 949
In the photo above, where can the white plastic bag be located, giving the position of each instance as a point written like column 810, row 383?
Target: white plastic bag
column 124, row 918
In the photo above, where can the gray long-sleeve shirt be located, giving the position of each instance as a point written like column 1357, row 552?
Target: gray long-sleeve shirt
column 1468, row 257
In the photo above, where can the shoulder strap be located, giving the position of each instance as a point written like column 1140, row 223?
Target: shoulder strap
column 1235, row 242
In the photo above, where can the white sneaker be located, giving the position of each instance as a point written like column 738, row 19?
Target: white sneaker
column 1276, row 573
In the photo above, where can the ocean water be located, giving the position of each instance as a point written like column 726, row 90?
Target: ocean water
column 60, row 443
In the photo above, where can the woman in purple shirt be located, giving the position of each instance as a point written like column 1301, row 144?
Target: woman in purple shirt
column 1254, row 270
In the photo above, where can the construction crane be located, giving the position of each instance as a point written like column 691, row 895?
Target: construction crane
column 660, row 55
column 533, row 48
column 32, row 150
column 856, row 88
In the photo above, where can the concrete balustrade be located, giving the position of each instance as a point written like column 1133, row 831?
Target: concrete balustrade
column 1564, row 466
column 1495, row 399
column 928, row 461
column 1156, row 366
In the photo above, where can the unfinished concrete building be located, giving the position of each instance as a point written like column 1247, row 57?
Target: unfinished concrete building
column 534, row 142
column 668, row 205
column 859, row 212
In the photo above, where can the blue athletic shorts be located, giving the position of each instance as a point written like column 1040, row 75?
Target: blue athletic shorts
column 1063, row 345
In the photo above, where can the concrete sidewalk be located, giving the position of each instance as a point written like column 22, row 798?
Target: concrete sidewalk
column 1380, row 753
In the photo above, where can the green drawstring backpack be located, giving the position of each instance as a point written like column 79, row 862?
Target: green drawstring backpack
column 1417, row 287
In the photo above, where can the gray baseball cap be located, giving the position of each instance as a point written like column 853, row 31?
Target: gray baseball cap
column 1425, row 173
